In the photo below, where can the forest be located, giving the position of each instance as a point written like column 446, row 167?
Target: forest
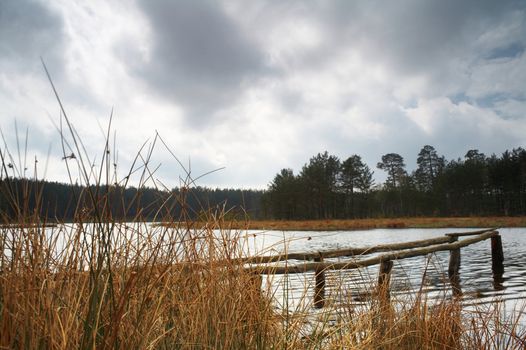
column 57, row 202
column 328, row 188
column 325, row 188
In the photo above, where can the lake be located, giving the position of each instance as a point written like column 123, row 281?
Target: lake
column 408, row 275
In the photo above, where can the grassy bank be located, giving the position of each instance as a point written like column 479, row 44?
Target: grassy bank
column 362, row 224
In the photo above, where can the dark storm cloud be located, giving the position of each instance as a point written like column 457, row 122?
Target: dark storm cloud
column 200, row 58
column 413, row 34
column 203, row 59
column 454, row 46
column 28, row 30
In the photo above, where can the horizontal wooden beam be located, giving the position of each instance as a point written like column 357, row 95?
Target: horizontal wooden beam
column 470, row 233
column 354, row 263
column 344, row 252
column 30, row 225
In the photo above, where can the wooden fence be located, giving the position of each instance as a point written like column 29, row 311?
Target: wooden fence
column 315, row 261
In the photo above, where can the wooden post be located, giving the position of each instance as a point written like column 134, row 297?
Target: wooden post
column 383, row 303
column 255, row 282
column 319, row 287
column 453, row 271
column 384, row 279
column 497, row 261
column 497, row 255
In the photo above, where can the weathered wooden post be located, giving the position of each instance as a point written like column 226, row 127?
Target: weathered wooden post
column 497, row 255
column 454, row 271
column 497, row 261
column 380, row 321
column 319, row 287
column 384, row 279
column 255, row 282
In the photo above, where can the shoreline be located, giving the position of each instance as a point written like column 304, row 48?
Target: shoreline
column 393, row 223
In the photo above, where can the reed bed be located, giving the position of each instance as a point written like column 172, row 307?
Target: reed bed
column 106, row 281
column 372, row 223
column 122, row 285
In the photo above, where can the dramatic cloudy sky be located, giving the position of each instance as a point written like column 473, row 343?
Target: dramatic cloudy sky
column 256, row 86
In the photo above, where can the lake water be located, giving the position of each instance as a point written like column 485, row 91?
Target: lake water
column 408, row 275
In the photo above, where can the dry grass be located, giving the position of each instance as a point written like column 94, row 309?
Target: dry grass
column 363, row 224
column 123, row 286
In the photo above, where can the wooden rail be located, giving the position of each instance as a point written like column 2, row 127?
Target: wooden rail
column 470, row 233
column 326, row 254
column 449, row 242
column 31, row 225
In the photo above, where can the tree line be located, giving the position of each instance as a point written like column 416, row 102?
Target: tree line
column 54, row 201
column 328, row 188
column 325, row 188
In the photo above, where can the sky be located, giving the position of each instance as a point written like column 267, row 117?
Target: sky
column 243, row 89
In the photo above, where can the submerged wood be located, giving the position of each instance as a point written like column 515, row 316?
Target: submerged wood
column 454, row 271
column 497, row 262
column 344, row 252
column 384, row 279
column 454, row 263
column 497, row 256
column 354, row 264
column 319, row 287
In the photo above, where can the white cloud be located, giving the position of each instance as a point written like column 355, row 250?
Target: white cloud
column 463, row 126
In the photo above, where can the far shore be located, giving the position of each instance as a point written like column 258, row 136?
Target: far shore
column 339, row 224
column 363, row 224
